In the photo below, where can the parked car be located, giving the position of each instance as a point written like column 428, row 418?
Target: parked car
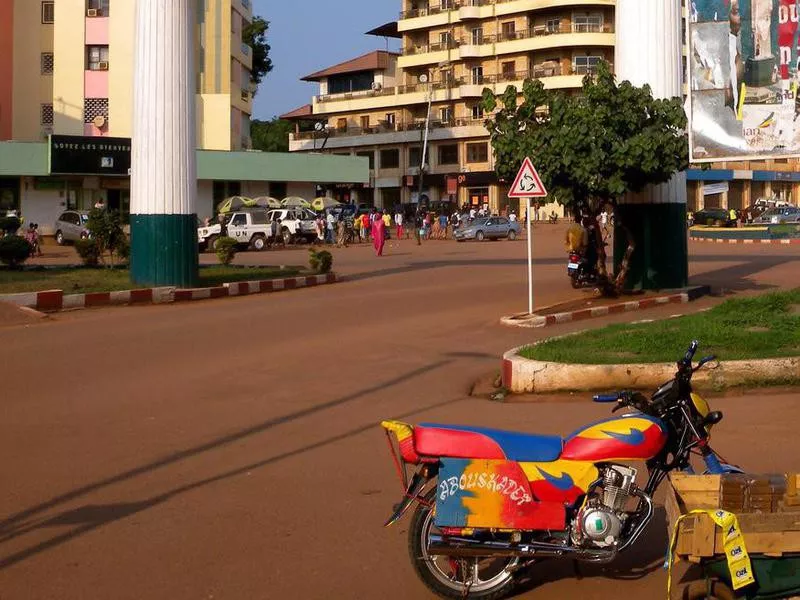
column 775, row 216
column 71, row 226
column 296, row 224
column 491, row 228
column 717, row 217
column 248, row 227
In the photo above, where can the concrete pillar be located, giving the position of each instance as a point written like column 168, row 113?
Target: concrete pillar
column 648, row 51
column 163, row 162
column 700, row 196
column 723, row 200
column 746, row 194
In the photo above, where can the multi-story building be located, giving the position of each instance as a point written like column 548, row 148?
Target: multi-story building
column 71, row 69
column 376, row 105
column 66, row 69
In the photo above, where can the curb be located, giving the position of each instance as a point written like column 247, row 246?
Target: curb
column 538, row 321
column 56, row 300
column 733, row 241
column 524, row 376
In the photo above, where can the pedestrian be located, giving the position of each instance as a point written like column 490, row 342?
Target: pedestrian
column 365, row 226
column 378, row 234
column 536, row 213
column 734, row 217
column 512, row 216
column 426, row 226
column 223, row 225
column 357, row 228
column 398, row 221
column 472, row 214
column 602, row 219
column 443, row 225
column 341, row 238
column 418, row 224
column 331, row 224
column 275, row 230
column 319, row 223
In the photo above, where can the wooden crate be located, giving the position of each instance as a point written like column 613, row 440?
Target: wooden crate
column 769, row 533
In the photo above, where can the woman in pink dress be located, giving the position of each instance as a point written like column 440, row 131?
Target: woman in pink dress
column 378, row 234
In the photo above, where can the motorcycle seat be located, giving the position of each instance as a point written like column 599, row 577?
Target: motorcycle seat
column 456, row 441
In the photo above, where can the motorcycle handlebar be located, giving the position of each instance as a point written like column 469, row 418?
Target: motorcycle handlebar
column 606, row 397
column 690, row 352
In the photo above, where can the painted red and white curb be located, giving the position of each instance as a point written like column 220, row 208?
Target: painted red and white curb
column 537, row 321
column 735, row 241
column 56, row 300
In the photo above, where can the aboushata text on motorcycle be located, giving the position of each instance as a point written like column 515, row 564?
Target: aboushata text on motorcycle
column 489, row 503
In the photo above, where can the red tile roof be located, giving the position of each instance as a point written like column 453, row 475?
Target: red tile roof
column 303, row 112
column 372, row 61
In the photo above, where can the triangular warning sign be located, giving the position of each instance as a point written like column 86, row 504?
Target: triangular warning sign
column 527, row 184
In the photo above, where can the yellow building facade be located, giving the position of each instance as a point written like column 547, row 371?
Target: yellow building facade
column 72, row 71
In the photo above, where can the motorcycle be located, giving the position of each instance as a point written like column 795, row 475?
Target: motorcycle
column 491, row 503
column 580, row 271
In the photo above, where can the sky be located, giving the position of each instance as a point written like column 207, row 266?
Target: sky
column 310, row 35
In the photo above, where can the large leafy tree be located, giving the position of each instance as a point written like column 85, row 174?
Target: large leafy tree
column 255, row 36
column 590, row 148
column 270, row 136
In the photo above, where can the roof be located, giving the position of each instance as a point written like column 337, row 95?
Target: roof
column 371, row 61
column 386, row 30
column 305, row 111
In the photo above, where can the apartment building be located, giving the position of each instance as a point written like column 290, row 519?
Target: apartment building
column 66, row 69
column 376, row 105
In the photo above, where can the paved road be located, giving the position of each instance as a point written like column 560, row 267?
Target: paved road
column 229, row 449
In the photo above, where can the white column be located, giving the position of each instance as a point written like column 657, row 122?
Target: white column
column 164, row 176
column 649, row 50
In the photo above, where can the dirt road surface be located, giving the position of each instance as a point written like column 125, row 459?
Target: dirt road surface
column 230, row 449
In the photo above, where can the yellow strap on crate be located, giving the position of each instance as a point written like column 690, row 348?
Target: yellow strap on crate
column 735, row 551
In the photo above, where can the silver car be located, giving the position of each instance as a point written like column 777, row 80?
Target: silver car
column 71, row 226
column 779, row 215
column 488, row 228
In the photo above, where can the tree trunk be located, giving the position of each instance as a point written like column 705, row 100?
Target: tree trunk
column 624, row 267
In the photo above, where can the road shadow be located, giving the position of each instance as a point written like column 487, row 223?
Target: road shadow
column 740, row 277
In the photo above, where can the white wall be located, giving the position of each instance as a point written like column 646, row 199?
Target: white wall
column 42, row 207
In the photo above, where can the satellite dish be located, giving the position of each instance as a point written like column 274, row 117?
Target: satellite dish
column 319, row 126
column 423, row 78
column 376, row 86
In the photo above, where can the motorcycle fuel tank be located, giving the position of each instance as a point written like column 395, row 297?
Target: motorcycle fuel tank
column 629, row 437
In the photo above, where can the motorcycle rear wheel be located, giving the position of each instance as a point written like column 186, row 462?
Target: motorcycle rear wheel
column 492, row 578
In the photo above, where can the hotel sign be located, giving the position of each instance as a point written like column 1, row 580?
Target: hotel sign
column 76, row 155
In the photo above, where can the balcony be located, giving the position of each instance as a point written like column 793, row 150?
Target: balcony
column 430, row 10
column 526, row 40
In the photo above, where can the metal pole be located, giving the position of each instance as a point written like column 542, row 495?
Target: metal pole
column 530, row 259
column 424, row 147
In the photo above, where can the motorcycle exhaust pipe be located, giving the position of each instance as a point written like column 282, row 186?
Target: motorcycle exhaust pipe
column 467, row 548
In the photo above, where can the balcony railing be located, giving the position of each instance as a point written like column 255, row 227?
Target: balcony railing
column 391, row 91
column 446, row 6
column 384, row 127
column 536, row 31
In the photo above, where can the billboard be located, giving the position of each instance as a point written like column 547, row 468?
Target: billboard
column 743, row 79
column 76, row 155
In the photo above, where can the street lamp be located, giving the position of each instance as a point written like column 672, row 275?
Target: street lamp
column 424, row 79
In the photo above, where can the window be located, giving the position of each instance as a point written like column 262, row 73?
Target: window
column 477, row 112
column 101, row 6
column 47, row 63
column 587, row 22
column 552, row 25
column 445, row 39
column 47, row 114
column 259, row 217
column 390, row 159
column 477, row 75
column 97, row 58
column 509, row 30
column 239, row 220
column 341, row 124
column 93, row 108
column 414, row 156
column 390, row 119
column 586, row 64
column 508, row 69
column 48, row 12
column 365, row 122
column 477, row 36
column 448, row 154
column 477, row 153
column 370, row 155
column 446, row 114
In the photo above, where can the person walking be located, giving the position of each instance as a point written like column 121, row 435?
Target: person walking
column 331, row 225
column 442, row 225
column 398, row 221
column 734, row 217
column 356, row 229
column 378, row 235
column 418, row 223
column 365, row 226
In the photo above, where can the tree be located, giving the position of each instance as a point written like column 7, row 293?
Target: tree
column 592, row 148
column 255, row 36
column 270, row 136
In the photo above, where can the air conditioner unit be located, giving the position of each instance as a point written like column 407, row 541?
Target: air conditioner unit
column 94, row 12
column 102, row 66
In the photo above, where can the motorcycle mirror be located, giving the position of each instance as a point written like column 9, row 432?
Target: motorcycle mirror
column 713, row 418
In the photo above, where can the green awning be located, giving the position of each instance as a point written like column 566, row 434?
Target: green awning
column 23, row 158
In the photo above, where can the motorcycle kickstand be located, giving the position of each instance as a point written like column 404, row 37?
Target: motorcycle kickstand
column 576, row 567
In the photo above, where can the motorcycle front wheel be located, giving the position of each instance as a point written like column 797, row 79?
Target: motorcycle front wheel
column 485, row 578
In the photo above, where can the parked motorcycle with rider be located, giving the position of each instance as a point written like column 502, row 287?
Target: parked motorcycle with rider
column 491, row 503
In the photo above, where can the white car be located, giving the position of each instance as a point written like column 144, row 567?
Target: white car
column 296, row 224
column 251, row 227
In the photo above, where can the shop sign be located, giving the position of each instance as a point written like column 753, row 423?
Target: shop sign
column 77, row 155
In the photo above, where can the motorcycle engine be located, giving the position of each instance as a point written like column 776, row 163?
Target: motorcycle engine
column 600, row 521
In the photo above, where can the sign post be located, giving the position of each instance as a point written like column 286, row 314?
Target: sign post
column 528, row 185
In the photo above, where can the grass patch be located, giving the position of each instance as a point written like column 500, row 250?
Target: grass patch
column 761, row 327
column 80, row 281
